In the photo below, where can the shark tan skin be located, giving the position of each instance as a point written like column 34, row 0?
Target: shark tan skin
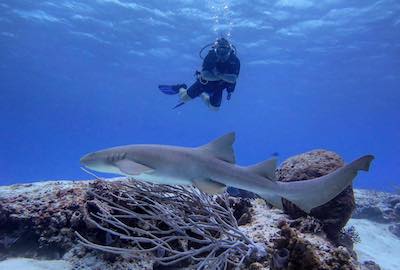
column 211, row 168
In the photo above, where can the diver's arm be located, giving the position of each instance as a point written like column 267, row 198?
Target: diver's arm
column 216, row 76
column 230, row 78
column 209, row 76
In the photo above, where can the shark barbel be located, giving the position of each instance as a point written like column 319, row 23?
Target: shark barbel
column 211, row 168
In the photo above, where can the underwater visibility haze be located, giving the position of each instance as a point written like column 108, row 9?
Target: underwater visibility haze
column 78, row 76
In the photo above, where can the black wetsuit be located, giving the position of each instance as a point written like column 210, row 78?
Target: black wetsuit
column 215, row 88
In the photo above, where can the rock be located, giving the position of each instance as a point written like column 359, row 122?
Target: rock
column 393, row 201
column 76, row 218
column 370, row 265
column 280, row 259
column 373, row 213
column 303, row 254
column 342, row 254
column 396, row 209
column 242, row 210
column 257, row 253
column 377, row 206
column 334, row 214
column 349, row 236
column 256, row 266
column 35, row 218
column 395, row 229
column 307, row 225
column 244, row 219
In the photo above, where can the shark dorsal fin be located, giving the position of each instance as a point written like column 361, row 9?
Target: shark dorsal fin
column 265, row 168
column 221, row 148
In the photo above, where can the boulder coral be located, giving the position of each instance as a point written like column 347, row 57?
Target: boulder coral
column 335, row 213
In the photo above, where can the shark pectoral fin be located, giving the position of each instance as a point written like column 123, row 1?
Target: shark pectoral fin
column 265, row 168
column 221, row 148
column 273, row 199
column 130, row 167
column 303, row 206
column 209, row 186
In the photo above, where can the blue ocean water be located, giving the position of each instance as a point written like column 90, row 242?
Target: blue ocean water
column 78, row 76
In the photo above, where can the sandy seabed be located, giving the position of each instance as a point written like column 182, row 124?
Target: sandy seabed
column 30, row 264
column 377, row 244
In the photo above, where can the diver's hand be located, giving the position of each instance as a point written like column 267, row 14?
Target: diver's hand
column 229, row 96
column 217, row 73
column 229, row 78
column 209, row 76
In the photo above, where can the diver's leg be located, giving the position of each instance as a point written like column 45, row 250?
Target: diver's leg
column 184, row 95
column 206, row 98
column 208, row 91
column 193, row 91
column 215, row 99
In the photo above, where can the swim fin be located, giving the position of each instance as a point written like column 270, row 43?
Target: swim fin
column 171, row 89
column 178, row 105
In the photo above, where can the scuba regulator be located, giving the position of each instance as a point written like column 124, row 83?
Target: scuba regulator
column 222, row 48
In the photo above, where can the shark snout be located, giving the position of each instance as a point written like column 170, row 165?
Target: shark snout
column 88, row 159
column 98, row 161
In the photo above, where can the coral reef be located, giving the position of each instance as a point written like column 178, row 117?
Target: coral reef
column 242, row 209
column 38, row 220
column 352, row 234
column 370, row 265
column 54, row 211
column 123, row 224
column 334, row 214
column 377, row 206
column 303, row 253
column 303, row 238
column 395, row 229
column 280, row 259
column 307, row 224
column 174, row 225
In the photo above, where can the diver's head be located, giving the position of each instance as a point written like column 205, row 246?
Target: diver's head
column 223, row 49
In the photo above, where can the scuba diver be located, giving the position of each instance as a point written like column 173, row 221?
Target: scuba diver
column 220, row 71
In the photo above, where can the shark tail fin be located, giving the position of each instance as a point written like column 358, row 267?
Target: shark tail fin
column 265, row 168
column 318, row 191
column 221, row 148
column 362, row 163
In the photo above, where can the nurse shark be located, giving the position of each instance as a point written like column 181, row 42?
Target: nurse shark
column 211, row 168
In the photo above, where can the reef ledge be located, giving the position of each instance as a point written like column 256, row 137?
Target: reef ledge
column 39, row 221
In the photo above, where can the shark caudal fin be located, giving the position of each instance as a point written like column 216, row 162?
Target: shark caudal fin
column 318, row 191
column 221, row 148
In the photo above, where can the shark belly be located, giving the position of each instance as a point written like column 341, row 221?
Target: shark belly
column 162, row 179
